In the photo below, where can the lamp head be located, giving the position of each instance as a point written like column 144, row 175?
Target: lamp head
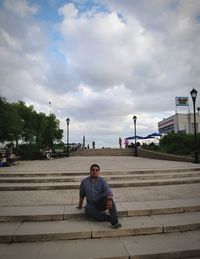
column 67, row 120
column 193, row 94
column 134, row 118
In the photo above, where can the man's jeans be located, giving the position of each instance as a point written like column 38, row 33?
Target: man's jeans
column 97, row 210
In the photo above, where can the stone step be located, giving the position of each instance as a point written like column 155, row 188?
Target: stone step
column 104, row 152
column 89, row 229
column 157, row 246
column 85, row 173
column 43, row 179
column 114, row 184
column 125, row 209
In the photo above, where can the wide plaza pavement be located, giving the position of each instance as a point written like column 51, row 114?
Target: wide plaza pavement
column 82, row 164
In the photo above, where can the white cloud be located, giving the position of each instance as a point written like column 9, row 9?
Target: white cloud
column 8, row 40
column 104, row 49
column 20, row 7
column 68, row 10
column 101, row 67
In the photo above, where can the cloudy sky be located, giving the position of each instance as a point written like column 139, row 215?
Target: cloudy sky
column 99, row 62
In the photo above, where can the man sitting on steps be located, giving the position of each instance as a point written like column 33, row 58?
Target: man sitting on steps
column 99, row 198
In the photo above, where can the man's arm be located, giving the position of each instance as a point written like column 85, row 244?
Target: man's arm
column 80, row 204
column 81, row 196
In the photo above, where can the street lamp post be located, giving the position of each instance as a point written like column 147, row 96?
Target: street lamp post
column 196, row 154
column 135, row 146
column 68, row 152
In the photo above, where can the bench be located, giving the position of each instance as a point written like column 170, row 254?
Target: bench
column 59, row 152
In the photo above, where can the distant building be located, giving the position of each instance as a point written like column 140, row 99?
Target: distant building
column 179, row 123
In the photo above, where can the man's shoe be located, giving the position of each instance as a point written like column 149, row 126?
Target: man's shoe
column 116, row 225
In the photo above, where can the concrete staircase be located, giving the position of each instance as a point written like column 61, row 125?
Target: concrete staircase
column 156, row 229
column 43, row 223
column 104, row 152
column 150, row 229
column 64, row 180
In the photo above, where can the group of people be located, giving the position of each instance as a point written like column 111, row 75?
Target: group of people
column 8, row 158
column 93, row 145
column 126, row 142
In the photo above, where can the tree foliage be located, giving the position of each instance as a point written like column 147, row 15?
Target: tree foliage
column 21, row 123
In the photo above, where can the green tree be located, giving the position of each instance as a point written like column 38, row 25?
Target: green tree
column 22, row 123
column 26, row 115
column 40, row 122
column 11, row 127
column 52, row 133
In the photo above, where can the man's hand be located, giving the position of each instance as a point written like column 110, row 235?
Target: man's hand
column 80, row 204
column 79, row 207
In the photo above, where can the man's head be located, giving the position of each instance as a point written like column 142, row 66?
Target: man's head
column 94, row 170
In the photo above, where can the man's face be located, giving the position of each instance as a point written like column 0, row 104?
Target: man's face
column 94, row 172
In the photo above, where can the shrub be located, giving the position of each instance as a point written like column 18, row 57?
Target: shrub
column 175, row 143
column 177, row 149
column 29, row 152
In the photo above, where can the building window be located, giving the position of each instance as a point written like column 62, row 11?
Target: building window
column 167, row 129
column 197, row 127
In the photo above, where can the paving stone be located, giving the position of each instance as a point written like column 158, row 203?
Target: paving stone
column 130, row 226
column 121, row 209
column 52, row 230
column 7, row 230
column 30, row 213
column 178, row 222
column 195, row 235
column 37, row 186
column 71, row 211
column 151, row 207
column 189, row 205
column 84, row 249
column 20, row 250
column 173, row 245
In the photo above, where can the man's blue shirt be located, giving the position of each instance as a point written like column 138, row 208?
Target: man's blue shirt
column 94, row 190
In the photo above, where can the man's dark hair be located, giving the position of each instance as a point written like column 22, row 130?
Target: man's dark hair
column 94, row 165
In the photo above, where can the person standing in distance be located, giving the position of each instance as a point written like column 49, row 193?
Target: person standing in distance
column 99, row 198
